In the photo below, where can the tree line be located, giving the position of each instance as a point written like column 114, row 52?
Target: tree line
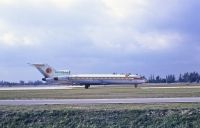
column 21, row 82
column 186, row 77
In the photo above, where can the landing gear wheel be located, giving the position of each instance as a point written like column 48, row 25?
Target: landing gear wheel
column 136, row 85
column 87, row 86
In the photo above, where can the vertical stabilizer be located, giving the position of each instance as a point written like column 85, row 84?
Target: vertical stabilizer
column 45, row 69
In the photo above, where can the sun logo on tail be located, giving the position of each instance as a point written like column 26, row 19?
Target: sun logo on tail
column 48, row 70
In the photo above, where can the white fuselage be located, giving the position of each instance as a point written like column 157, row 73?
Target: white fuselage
column 100, row 79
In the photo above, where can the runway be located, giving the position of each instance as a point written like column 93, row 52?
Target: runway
column 101, row 101
column 38, row 88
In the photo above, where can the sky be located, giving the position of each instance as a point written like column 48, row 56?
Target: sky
column 99, row 36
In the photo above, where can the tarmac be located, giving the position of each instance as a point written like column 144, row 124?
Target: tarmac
column 101, row 101
column 71, row 87
column 38, row 88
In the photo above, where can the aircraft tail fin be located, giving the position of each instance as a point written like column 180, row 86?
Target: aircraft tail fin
column 45, row 69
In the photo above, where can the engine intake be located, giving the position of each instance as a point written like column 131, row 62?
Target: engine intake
column 44, row 79
column 55, row 78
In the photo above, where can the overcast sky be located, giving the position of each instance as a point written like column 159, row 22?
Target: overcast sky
column 99, row 36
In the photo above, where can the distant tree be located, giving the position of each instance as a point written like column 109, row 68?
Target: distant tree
column 158, row 79
column 180, row 79
column 170, row 79
column 186, row 77
column 38, row 82
column 21, row 82
column 151, row 79
column 193, row 77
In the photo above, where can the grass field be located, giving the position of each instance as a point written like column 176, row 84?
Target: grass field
column 176, row 115
column 101, row 92
column 98, row 116
column 162, row 106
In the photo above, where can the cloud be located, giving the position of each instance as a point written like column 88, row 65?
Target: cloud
column 99, row 32
column 11, row 39
column 39, row 3
column 103, row 27
column 122, row 10
column 158, row 41
column 131, row 41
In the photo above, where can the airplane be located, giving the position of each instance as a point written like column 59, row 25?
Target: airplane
column 65, row 77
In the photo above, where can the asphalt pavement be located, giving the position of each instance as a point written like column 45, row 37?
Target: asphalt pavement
column 101, row 101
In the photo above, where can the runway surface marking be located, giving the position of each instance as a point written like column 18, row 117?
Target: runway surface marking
column 101, row 101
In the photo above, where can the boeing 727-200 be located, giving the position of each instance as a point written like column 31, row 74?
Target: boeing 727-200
column 64, row 76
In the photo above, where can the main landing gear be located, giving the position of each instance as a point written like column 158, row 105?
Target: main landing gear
column 87, row 86
column 136, row 85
